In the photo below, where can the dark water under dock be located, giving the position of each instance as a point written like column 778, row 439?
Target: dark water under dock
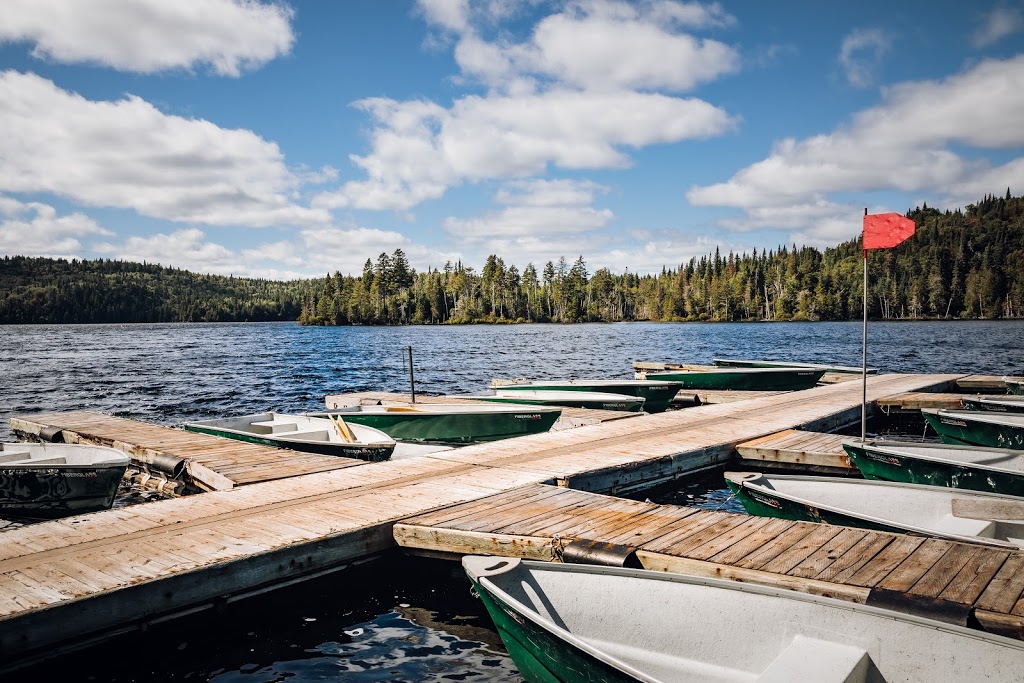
column 403, row 619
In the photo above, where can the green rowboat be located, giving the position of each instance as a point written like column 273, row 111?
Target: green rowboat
column 974, row 468
column 977, row 428
column 450, row 423
column 570, row 399
column 300, row 433
column 657, row 395
column 843, row 369
column 48, row 480
column 952, row 514
column 582, row 623
column 748, row 379
column 1014, row 385
column 995, row 404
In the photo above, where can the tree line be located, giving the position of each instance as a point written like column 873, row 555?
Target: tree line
column 960, row 264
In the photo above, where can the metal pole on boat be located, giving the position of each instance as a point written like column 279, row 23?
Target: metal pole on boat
column 412, row 377
column 864, row 350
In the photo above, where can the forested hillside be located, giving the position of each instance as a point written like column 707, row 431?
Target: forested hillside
column 41, row 290
column 960, row 264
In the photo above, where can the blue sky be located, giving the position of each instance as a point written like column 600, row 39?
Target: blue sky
column 292, row 140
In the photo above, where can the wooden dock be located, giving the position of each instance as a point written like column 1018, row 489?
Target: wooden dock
column 207, row 462
column 797, row 449
column 954, row 582
column 66, row 582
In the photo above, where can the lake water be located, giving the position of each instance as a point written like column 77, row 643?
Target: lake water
column 387, row 623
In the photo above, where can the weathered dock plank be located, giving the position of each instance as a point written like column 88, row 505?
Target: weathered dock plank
column 167, row 557
column 814, row 558
column 802, row 449
column 214, row 462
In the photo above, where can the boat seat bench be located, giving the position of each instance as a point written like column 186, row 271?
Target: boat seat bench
column 307, row 435
column 811, row 659
column 273, row 427
column 13, row 456
column 40, row 461
column 966, row 527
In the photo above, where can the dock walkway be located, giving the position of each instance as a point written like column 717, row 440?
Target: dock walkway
column 954, row 582
column 66, row 581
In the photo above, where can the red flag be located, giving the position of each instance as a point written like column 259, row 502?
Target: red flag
column 885, row 230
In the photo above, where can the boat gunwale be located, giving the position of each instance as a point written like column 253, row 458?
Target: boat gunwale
column 963, row 463
column 922, row 531
column 985, row 416
column 211, row 429
column 527, row 566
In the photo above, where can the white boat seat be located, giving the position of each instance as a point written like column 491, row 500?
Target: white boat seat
column 309, row 435
column 963, row 526
column 44, row 461
column 810, row 659
column 273, row 426
column 12, row 456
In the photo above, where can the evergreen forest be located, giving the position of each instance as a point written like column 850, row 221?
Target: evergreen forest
column 960, row 264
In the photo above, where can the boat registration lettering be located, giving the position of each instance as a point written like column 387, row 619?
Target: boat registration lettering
column 528, row 416
column 765, row 500
column 953, row 423
column 887, row 459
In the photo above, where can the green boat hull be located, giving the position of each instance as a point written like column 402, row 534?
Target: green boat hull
column 1015, row 387
column 910, row 470
column 724, row 380
column 762, row 504
column 46, row 493
column 657, row 398
column 967, row 432
column 541, row 656
column 625, row 405
column 973, row 403
column 455, row 428
column 368, row 453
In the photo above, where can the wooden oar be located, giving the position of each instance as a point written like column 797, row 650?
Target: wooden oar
column 343, row 429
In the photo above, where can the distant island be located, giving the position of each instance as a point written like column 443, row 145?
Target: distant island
column 960, row 264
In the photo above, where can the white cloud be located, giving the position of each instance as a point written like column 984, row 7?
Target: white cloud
column 530, row 220
column 578, row 93
column 594, row 44
column 312, row 252
column 421, row 149
column 452, row 15
column 186, row 248
column 35, row 229
column 128, row 154
column 996, row 25
column 612, row 45
column 860, row 55
column 903, row 144
column 650, row 251
column 541, row 220
column 147, row 36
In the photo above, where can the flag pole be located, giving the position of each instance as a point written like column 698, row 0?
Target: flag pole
column 864, row 350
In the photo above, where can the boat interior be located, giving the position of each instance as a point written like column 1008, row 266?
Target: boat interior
column 73, row 455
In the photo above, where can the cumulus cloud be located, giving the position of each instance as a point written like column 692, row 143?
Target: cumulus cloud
column 579, row 92
column 996, row 25
column 539, row 221
column 128, row 154
column 594, row 44
column 35, row 229
column 147, row 36
column 312, row 252
column 861, row 54
column 906, row 143
column 420, row 149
